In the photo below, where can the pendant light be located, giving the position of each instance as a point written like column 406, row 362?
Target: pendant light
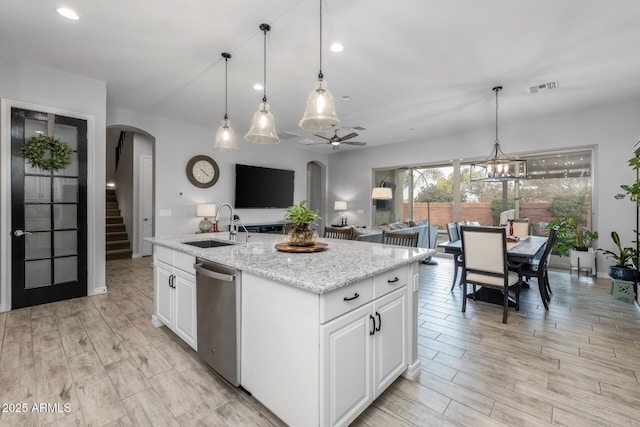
column 498, row 166
column 225, row 137
column 320, row 114
column 263, row 129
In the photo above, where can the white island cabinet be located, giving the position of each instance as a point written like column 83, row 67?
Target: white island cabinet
column 320, row 360
column 322, row 334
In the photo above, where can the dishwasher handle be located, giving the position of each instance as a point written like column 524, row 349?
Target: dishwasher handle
column 214, row 274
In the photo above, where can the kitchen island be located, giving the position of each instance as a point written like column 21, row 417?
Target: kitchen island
column 322, row 334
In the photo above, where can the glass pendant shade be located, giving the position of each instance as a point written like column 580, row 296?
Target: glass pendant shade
column 263, row 129
column 320, row 114
column 225, row 137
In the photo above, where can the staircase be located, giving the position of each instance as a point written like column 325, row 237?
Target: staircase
column 117, row 239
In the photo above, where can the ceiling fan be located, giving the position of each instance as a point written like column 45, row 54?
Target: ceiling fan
column 336, row 140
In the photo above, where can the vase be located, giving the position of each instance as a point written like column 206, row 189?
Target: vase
column 302, row 235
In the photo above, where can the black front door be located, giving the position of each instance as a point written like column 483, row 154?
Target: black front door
column 48, row 213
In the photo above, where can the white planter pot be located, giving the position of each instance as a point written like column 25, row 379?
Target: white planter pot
column 583, row 261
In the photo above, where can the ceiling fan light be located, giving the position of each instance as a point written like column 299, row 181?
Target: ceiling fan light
column 320, row 114
column 225, row 137
column 263, row 129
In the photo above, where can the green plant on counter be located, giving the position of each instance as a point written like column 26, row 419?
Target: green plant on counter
column 300, row 214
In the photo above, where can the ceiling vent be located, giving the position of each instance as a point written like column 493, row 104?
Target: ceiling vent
column 544, row 87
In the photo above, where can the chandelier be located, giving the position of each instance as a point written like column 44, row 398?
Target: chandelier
column 498, row 167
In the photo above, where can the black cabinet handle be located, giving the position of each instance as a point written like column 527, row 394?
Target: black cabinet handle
column 393, row 281
column 172, row 281
column 170, row 277
column 356, row 295
column 379, row 322
column 373, row 330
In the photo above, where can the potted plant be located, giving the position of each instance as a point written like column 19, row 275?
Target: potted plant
column 623, row 269
column 301, row 217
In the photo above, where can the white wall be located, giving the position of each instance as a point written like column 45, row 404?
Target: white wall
column 176, row 142
column 142, row 146
column 59, row 92
column 611, row 130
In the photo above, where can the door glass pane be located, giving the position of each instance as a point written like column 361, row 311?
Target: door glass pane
column 65, row 216
column 66, row 243
column 33, row 128
column 37, row 273
column 65, row 190
column 37, row 189
column 66, row 133
column 65, row 269
column 37, row 245
column 72, row 167
column 37, row 217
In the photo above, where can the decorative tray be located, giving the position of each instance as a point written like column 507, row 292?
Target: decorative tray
column 317, row 247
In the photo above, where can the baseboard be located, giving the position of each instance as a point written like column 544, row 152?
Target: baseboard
column 155, row 322
column 98, row 291
column 413, row 371
column 136, row 255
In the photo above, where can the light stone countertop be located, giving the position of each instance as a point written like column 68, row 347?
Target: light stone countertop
column 342, row 263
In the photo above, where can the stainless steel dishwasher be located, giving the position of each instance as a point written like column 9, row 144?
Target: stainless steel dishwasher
column 218, row 304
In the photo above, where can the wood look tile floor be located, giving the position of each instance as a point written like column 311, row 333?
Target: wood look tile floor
column 576, row 365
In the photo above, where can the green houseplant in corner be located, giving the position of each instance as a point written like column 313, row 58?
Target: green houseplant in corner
column 623, row 269
column 301, row 217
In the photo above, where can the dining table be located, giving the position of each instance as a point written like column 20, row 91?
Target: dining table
column 521, row 251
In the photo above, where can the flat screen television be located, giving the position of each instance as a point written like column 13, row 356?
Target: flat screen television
column 258, row 187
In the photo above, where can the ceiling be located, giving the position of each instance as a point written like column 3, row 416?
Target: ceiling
column 413, row 69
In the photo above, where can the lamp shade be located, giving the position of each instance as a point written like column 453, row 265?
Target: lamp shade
column 320, row 114
column 206, row 210
column 263, row 128
column 381, row 193
column 340, row 206
column 225, row 137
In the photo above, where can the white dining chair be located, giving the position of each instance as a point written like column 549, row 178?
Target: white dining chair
column 484, row 255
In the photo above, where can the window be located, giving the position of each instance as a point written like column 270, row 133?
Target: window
column 560, row 186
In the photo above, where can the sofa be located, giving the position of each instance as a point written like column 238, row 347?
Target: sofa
column 374, row 234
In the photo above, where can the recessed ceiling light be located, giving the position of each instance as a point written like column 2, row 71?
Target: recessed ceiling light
column 345, row 97
column 336, row 47
column 258, row 86
column 39, row 132
column 68, row 13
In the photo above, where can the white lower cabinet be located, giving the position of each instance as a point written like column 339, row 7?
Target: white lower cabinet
column 175, row 293
column 363, row 352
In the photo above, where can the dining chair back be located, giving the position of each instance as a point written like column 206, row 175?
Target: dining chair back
column 452, row 231
column 454, row 235
column 538, row 268
column 341, row 233
column 521, row 227
column 400, row 238
column 484, row 256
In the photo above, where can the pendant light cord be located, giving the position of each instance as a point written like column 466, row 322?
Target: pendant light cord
column 265, row 28
column 320, row 76
column 497, row 90
column 226, row 82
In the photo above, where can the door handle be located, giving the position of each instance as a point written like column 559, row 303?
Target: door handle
column 20, row 233
column 379, row 322
column 373, row 322
column 146, row 219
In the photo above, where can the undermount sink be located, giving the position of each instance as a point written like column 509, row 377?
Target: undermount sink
column 208, row 243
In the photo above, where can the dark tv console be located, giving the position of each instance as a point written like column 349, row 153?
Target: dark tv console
column 265, row 228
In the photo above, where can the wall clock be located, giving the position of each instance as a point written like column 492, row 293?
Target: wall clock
column 202, row 171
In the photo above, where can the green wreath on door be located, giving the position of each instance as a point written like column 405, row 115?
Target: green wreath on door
column 36, row 148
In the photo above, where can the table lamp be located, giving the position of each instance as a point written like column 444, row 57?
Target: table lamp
column 206, row 211
column 341, row 206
